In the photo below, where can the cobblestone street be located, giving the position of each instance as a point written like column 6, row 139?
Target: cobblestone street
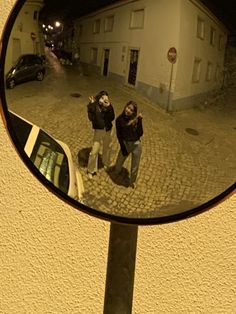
column 188, row 157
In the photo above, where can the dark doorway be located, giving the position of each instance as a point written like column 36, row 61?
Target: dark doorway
column 106, row 61
column 133, row 66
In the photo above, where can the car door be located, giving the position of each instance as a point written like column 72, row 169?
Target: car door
column 33, row 64
column 31, row 67
column 22, row 69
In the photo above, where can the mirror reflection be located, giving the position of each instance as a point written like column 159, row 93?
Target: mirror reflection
column 126, row 106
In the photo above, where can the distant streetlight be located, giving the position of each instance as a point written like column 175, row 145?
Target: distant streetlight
column 57, row 24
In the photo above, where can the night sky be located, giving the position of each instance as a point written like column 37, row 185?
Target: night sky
column 69, row 9
column 66, row 10
column 225, row 10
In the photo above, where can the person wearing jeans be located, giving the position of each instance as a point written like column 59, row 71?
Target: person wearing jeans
column 129, row 130
column 101, row 114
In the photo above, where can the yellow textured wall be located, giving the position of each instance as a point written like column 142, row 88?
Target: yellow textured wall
column 53, row 258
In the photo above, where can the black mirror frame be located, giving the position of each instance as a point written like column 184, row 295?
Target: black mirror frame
column 77, row 205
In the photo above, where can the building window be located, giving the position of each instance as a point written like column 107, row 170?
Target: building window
column 20, row 27
column 196, row 70
column 96, row 26
column 200, row 28
column 137, row 19
column 213, row 36
column 94, row 55
column 209, row 71
column 221, row 42
column 108, row 24
column 217, row 73
column 35, row 15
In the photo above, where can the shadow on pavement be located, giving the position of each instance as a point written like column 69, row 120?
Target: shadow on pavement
column 83, row 156
column 119, row 179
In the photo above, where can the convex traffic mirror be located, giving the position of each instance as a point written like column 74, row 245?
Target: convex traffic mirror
column 122, row 120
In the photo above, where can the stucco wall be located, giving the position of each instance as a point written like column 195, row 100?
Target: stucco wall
column 53, row 258
column 23, row 26
column 166, row 24
column 192, row 47
column 153, row 66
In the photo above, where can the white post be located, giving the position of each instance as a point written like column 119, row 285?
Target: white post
column 169, row 109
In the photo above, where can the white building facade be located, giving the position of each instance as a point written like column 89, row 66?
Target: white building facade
column 129, row 41
column 26, row 36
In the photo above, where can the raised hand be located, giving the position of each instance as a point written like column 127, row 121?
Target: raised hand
column 92, row 99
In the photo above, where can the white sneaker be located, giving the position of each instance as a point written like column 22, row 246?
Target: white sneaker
column 90, row 176
column 106, row 168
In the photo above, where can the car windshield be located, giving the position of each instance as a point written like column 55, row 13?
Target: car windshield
column 51, row 160
column 20, row 61
column 16, row 62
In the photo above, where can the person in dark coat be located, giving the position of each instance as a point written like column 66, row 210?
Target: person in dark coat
column 101, row 114
column 129, row 130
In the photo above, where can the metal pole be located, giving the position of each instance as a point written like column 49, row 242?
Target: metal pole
column 169, row 102
column 120, row 269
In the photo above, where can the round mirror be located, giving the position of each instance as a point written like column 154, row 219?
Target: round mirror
column 123, row 108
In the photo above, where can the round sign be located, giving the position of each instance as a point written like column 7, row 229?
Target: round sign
column 172, row 54
column 33, row 36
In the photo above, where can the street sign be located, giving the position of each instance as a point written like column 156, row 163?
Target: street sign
column 33, row 36
column 172, row 55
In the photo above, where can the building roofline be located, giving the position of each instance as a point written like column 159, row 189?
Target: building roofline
column 107, row 8
column 121, row 3
column 38, row 3
column 210, row 14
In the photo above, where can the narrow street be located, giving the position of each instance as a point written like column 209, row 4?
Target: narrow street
column 188, row 157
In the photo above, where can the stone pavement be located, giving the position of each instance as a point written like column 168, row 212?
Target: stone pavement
column 188, row 157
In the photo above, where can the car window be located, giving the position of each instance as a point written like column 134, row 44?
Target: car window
column 30, row 60
column 38, row 60
column 34, row 60
column 49, row 157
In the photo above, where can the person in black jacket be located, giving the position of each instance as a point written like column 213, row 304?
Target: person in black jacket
column 101, row 114
column 129, row 129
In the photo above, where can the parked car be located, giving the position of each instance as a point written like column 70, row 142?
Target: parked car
column 27, row 67
column 51, row 157
column 63, row 56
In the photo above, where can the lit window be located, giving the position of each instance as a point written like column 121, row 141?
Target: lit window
column 96, row 26
column 108, row 26
column 137, row 19
column 209, row 71
column 200, row 28
column 213, row 36
column 94, row 55
column 196, row 70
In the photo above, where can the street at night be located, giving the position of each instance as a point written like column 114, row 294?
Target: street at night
column 188, row 156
